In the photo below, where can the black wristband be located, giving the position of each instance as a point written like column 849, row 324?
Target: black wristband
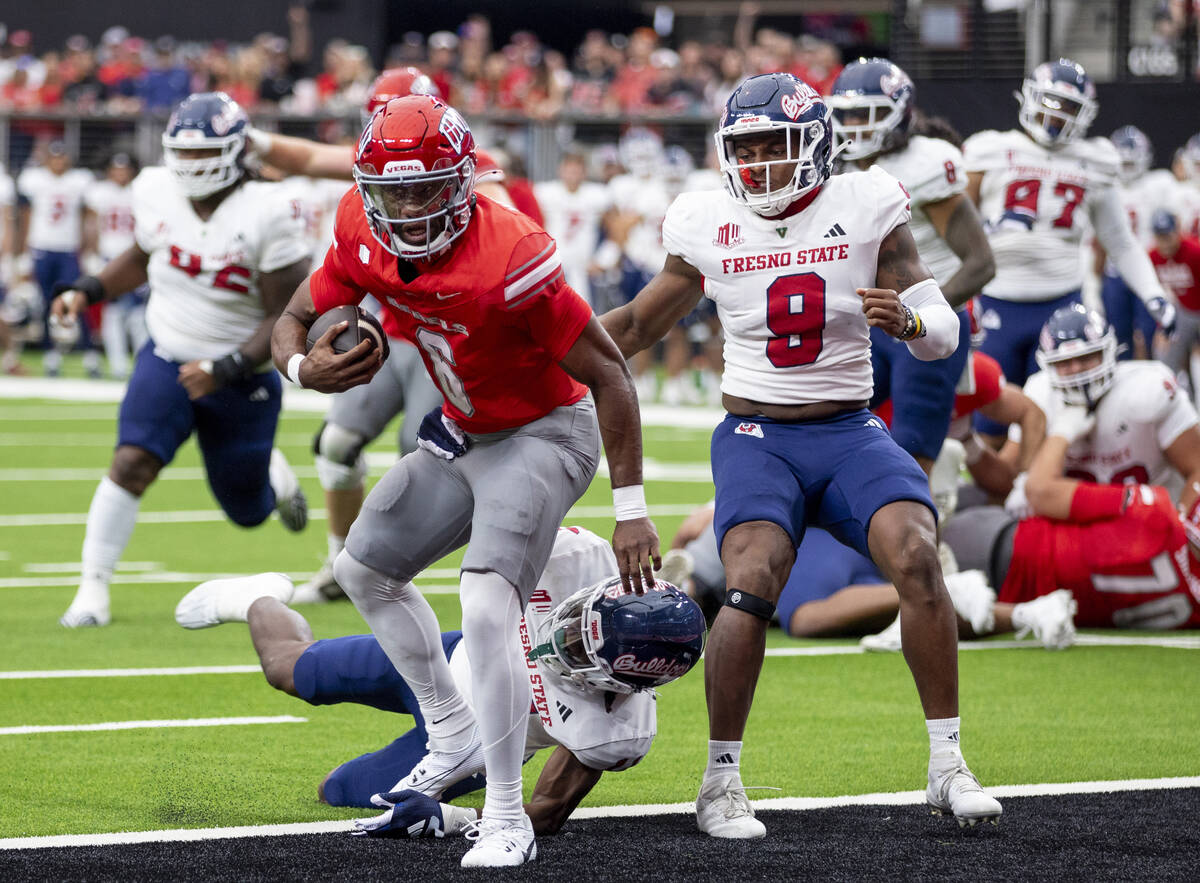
column 911, row 326
column 232, row 368
column 92, row 288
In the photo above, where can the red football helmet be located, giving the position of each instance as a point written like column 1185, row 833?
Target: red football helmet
column 398, row 82
column 415, row 170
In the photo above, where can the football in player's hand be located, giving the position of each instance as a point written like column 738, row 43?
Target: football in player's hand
column 363, row 326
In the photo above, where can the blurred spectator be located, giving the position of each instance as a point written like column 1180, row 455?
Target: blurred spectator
column 443, row 55
column 166, row 82
column 632, row 85
column 593, row 72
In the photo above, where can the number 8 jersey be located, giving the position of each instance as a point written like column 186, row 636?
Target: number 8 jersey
column 785, row 287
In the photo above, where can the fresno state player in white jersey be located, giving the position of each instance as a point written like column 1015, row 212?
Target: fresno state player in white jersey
column 1186, row 168
column 515, row 351
column 1136, row 425
column 573, row 208
column 1039, row 189
column 801, row 266
column 221, row 254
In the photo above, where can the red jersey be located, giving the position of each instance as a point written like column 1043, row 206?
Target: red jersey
column 1181, row 273
column 1133, row 571
column 492, row 316
column 986, row 386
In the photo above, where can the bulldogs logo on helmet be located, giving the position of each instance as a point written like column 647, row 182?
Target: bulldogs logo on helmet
column 776, row 103
column 205, row 121
column 608, row 639
column 1135, row 151
column 1074, row 331
column 415, row 170
column 397, row 82
column 1058, row 103
column 872, row 102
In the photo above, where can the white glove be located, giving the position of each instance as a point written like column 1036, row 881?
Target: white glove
column 1071, row 422
column 1016, row 503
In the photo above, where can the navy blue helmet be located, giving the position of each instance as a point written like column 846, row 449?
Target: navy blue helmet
column 605, row 638
column 872, row 102
column 1058, row 103
column 205, row 121
column 1073, row 331
column 768, row 104
column 1135, row 151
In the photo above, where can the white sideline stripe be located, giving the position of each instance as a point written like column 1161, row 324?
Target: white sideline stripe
column 74, row 567
column 1175, row 642
column 899, row 798
column 195, row 516
column 153, row 724
column 130, row 672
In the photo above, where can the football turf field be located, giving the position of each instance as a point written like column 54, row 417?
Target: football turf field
column 144, row 726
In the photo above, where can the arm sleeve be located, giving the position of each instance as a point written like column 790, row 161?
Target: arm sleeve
column 941, row 322
column 535, row 289
column 1097, row 502
column 1114, row 233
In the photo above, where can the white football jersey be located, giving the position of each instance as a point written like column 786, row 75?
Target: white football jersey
column 1187, row 208
column 318, row 198
column 113, row 206
column 204, row 298
column 1036, row 204
column 931, row 170
column 601, row 736
column 1157, row 189
column 55, row 207
column 573, row 219
column 784, row 289
column 1137, row 419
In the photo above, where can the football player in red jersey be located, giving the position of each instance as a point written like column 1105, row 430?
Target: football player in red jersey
column 480, row 290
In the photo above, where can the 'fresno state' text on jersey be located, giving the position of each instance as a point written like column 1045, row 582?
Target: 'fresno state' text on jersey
column 1132, row 571
column 1035, row 203
column 204, row 297
column 785, row 289
column 492, row 316
column 1136, row 421
column 604, row 734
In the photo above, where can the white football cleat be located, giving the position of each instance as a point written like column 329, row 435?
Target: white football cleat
column 1051, row 619
column 722, row 810
column 973, row 600
column 228, row 600
column 438, row 770
column 321, row 588
column 89, row 607
column 957, row 792
column 677, row 567
column 500, row 843
column 887, row 641
column 290, row 502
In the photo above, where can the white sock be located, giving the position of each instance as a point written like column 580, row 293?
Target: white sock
column 724, row 759
column 110, row 522
column 500, row 684
column 336, row 544
column 944, row 747
column 407, row 630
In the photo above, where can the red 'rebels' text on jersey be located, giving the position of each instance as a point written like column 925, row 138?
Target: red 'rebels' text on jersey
column 1132, row 571
column 492, row 317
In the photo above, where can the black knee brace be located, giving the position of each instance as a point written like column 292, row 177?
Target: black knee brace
column 747, row 603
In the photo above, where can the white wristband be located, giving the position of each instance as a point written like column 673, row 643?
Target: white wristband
column 293, row 368
column 629, row 502
column 259, row 140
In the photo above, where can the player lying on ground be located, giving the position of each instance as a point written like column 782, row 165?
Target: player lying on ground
column 592, row 700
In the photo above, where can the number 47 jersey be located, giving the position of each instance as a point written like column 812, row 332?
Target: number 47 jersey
column 785, row 287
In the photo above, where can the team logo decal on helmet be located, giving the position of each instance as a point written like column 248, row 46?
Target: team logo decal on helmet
column 415, row 169
column 212, row 125
column 1058, row 103
column 608, row 639
column 775, row 104
column 872, row 103
column 1071, row 332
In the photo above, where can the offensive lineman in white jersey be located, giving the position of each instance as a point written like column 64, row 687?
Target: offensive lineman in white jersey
column 1038, row 188
column 592, row 699
column 222, row 255
column 801, row 266
column 873, row 124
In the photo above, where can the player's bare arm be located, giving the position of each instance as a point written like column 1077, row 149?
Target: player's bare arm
column 1184, row 455
column 123, row 273
column 564, row 782
column 322, row 369
column 1050, row 492
column 1014, row 406
column 299, row 156
column 900, row 268
column 595, row 361
column 666, row 299
column 974, row 183
column 957, row 221
column 201, row 377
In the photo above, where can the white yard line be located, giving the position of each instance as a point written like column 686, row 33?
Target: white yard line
column 130, row 672
column 153, row 724
column 899, row 798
